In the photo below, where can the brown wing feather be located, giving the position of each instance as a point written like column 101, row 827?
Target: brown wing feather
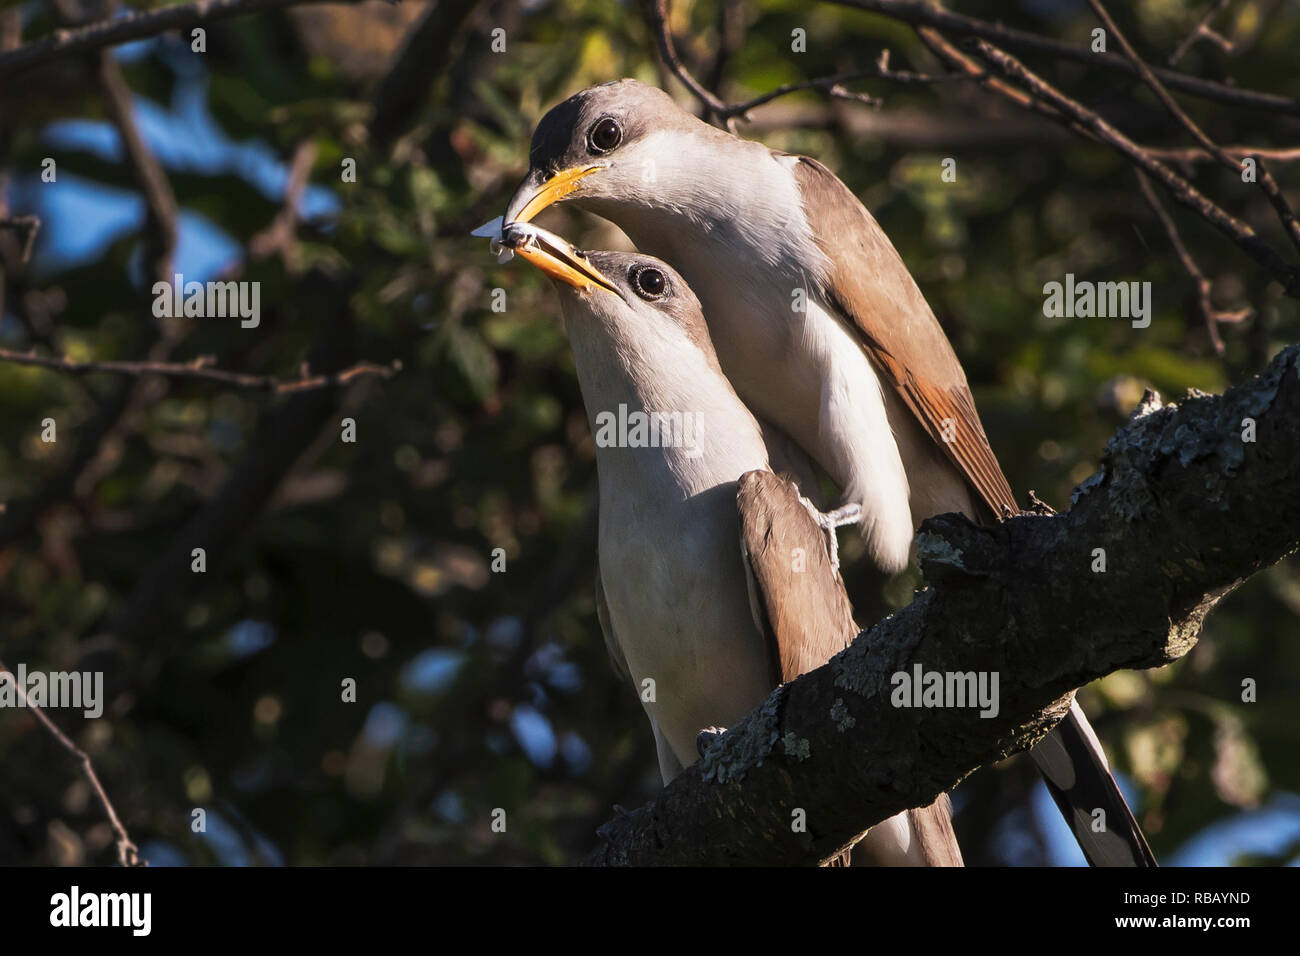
column 807, row 619
column 804, row 614
column 934, row 837
column 870, row 285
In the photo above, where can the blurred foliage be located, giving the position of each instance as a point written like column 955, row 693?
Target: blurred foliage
column 481, row 690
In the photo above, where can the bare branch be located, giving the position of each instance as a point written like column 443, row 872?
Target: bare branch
column 1202, row 30
column 26, row 228
column 128, row 853
column 201, row 368
column 1211, row 316
column 278, row 237
column 927, row 13
column 1184, row 192
column 731, row 37
column 424, row 57
column 834, row 85
column 656, row 15
column 135, row 26
column 960, row 61
column 1194, row 154
column 160, row 202
column 1265, row 179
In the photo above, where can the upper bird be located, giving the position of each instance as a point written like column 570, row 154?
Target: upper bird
column 822, row 332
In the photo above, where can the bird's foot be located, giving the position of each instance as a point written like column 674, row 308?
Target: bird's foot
column 705, row 738
column 829, row 521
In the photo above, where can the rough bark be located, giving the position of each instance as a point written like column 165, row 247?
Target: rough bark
column 1184, row 508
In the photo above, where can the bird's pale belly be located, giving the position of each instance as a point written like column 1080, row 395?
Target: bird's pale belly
column 695, row 656
column 806, row 374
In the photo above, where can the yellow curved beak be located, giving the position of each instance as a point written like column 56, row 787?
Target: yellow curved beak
column 551, row 191
column 555, row 257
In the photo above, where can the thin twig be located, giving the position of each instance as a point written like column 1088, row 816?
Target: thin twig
column 26, row 228
column 154, row 343
column 957, row 60
column 135, row 26
column 834, row 85
column 731, row 37
column 1202, row 29
column 656, row 15
column 161, row 213
column 1194, row 154
column 128, row 854
column 1265, row 179
column 1184, row 192
column 427, row 50
column 279, row 235
column 1209, row 314
column 201, row 368
column 927, row 13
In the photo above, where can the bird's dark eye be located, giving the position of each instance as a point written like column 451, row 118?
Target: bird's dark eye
column 649, row 282
column 604, row 135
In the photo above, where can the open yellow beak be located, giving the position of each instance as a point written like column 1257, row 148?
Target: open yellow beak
column 555, row 257
column 551, row 191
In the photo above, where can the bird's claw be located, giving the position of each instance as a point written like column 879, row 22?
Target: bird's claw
column 829, row 521
column 705, row 738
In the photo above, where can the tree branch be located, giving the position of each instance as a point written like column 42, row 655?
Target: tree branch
column 1266, row 181
column 201, row 368
column 128, row 853
column 1074, row 113
column 25, row 229
column 1183, row 509
column 1209, row 314
column 1202, row 30
column 928, row 13
column 135, row 26
column 656, row 16
column 422, row 60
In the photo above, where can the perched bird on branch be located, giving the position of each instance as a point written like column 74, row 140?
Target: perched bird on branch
column 822, row 332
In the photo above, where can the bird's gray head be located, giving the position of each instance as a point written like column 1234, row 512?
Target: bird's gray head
column 605, row 145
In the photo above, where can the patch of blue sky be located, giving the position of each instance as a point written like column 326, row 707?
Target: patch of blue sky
column 80, row 219
column 577, row 755
column 187, row 138
column 432, row 671
column 450, row 807
column 248, row 637
column 162, row 853
column 229, row 845
column 1264, row 831
column 534, row 734
column 384, row 726
column 1062, row 848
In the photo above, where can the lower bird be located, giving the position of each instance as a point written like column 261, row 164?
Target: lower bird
column 714, row 582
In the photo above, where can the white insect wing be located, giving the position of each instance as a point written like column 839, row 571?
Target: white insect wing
column 493, row 231
column 506, row 237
